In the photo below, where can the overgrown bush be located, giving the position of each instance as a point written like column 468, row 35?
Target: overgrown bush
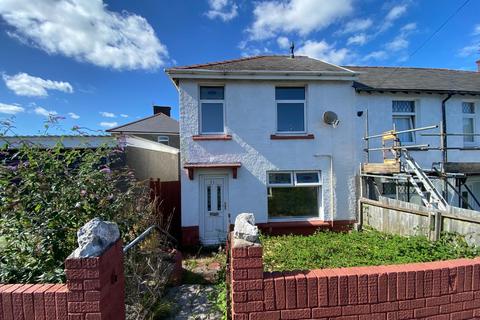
column 46, row 195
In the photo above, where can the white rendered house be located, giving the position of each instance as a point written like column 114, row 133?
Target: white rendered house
column 253, row 138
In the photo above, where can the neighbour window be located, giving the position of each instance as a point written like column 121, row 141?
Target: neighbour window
column 468, row 110
column 163, row 139
column 290, row 109
column 211, row 110
column 404, row 119
column 294, row 194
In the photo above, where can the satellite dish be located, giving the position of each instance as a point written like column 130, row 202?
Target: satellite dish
column 331, row 118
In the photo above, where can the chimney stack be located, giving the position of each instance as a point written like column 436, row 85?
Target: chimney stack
column 162, row 109
column 478, row 65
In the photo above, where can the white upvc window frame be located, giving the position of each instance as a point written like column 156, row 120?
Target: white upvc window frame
column 295, row 184
column 163, row 138
column 474, row 123
column 411, row 116
column 200, row 103
column 304, row 101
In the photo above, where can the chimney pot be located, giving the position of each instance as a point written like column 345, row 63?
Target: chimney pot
column 162, row 109
column 478, row 65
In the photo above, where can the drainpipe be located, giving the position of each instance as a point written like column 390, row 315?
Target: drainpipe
column 444, row 144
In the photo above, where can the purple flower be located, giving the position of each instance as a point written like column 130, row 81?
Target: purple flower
column 83, row 193
column 106, row 170
column 12, row 168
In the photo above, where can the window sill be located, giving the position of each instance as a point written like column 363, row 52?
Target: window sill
column 212, row 137
column 292, row 136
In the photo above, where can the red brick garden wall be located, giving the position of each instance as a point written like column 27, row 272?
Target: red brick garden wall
column 95, row 290
column 438, row 290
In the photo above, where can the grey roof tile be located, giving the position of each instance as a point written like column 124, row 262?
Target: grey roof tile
column 421, row 79
column 267, row 63
column 158, row 123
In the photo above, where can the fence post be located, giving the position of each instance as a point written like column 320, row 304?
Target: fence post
column 438, row 225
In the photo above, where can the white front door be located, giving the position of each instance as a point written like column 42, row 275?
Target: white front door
column 213, row 229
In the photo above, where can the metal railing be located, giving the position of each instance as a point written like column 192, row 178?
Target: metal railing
column 146, row 233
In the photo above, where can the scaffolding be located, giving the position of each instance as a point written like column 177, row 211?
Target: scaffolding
column 400, row 167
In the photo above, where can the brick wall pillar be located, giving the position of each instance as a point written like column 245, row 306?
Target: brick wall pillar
column 247, row 281
column 96, row 286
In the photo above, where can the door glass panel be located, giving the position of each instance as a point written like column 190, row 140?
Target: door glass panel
column 209, row 198
column 219, row 198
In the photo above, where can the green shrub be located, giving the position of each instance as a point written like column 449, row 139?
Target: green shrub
column 331, row 250
column 46, row 195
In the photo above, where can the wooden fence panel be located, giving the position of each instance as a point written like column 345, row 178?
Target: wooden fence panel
column 168, row 194
column 404, row 218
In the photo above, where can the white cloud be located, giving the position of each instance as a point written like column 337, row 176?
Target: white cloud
column 301, row 16
column 376, row 55
column 124, row 115
column 107, row 114
column 324, row 51
column 108, row 124
column 86, row 31
column 476, row 30
column 44, row 112
column 469, row 50
column 283, row 42
column 73, row 115
column 393, row 14
column 357, row 25
column 409, row 27
column 24, row 84
column 397, row 44
column 223, row 9
column 358, row 39
column 10, row 108
column 401, row 42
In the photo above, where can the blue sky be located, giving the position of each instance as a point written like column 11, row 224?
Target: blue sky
column 100, row 63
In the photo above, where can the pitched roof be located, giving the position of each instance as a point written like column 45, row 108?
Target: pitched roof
column 158, row 123
column 416, row 79
column 266, row 63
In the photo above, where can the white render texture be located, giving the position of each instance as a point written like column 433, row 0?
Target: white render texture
column 250, row 113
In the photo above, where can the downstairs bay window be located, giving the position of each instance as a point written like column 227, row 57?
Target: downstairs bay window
column 294, row 194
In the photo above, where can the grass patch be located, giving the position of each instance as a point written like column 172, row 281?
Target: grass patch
column 328, row 249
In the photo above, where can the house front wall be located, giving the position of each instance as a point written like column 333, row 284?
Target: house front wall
column 428, row 112
column 250, row 118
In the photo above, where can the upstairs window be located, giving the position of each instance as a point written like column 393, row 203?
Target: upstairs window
column 290, row 103
column 404, row 119
column 294, row 194
column 212, row 107
column 163, row 139
column 468, row 110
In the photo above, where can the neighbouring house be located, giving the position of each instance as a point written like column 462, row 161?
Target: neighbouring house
column 159, row 127
column 152, row 145
column 281, row 136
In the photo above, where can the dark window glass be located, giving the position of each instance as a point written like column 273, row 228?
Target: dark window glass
column 212, row 117
column 280, row 178
column 290, row 93
column 307, row 177
column 211, row 93
column 293, row 202
column 290, row 117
